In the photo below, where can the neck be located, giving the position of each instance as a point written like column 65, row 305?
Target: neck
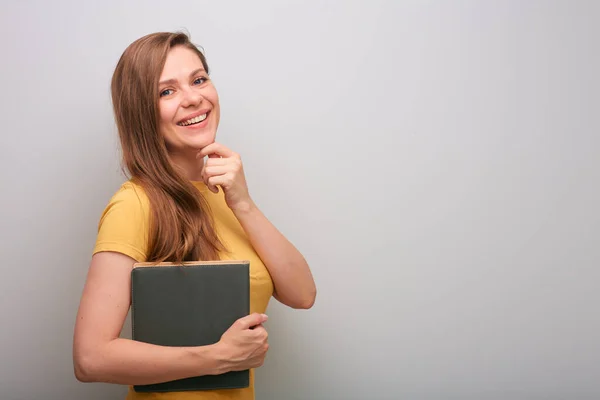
column 188, row 164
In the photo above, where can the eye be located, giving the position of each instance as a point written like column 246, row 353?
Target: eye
column 165, row 92
column 200, row 80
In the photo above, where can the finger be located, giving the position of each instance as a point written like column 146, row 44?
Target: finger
column 251, row 320
column 206, row 179
column 216, row 161
column 210, row 171
column 211, row 186
column 216, row 148
column 224, row 180
column 260, row 332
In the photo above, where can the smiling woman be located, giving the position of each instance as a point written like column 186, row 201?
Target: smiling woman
column 178, row 207
column 184, row 86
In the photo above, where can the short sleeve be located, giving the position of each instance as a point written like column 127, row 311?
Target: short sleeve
column 124, row 224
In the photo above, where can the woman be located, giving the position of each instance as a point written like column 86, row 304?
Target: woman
column 186, row 200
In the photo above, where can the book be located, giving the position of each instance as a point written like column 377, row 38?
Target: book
column 189, row 304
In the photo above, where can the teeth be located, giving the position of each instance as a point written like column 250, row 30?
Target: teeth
column 199, row 118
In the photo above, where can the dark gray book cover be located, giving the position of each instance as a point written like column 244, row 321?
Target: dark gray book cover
column 189, row 304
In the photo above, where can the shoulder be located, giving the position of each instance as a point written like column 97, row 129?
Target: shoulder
column 124, row 223
column 129, row 193
column 129, row 198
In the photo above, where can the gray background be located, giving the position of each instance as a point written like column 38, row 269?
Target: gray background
column 436, row 161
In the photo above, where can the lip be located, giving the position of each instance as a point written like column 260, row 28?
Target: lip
column 194, row 115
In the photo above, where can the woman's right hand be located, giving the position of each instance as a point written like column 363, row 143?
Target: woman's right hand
column 244, row 345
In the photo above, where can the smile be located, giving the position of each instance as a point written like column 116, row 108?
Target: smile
column 193, row 121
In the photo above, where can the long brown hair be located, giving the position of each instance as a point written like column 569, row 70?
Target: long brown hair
column 181, row 225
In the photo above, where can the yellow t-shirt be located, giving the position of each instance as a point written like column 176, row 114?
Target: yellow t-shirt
column 124, row 228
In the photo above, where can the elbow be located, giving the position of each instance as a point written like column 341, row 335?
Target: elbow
column 307, row 305
column 308, row 301
column 304, row 302
column 81, row 373
column 84, row 368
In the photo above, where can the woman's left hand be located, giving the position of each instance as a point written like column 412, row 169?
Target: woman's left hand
column 224, row 168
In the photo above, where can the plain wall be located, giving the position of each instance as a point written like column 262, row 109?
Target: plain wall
column 436, row 162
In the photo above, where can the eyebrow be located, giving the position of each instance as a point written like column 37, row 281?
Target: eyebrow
column 173, row 81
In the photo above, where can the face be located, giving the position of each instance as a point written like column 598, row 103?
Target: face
column 188, row 103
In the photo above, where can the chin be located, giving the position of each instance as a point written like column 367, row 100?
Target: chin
column 189, row 139
column 200, row 135
column 199, row 143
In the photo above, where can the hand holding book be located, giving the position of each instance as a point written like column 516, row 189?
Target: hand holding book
column 244, row 345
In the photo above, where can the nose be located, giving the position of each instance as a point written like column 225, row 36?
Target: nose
column 191, row 97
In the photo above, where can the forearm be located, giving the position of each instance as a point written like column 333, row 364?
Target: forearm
column 292, row 278
column 129, row 362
